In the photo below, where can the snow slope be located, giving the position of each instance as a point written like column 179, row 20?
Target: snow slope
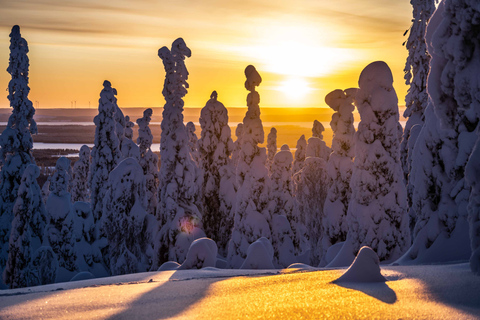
column 420, row 292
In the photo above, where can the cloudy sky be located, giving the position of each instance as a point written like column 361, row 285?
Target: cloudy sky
column 303, row 49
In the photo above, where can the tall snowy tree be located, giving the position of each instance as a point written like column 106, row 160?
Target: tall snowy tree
column 27, row 231
column 148, row 160
column 81, row 170
column 120, row 122
column 271, row 147
column 192, row 141
column 416, row 72
column 377, row 212
column 300, row 154
column 284, row 221
column 128, row 147
column 339, row 167
column 105, row 153
column 16, row 140
column 126, row 219
column 317, row 129
column 472, row 174
column 237, row 145
column 253, row 205
column 215, row 147
column 441, row 194
column 177, row 213
column 59, row 231
column 311, row 186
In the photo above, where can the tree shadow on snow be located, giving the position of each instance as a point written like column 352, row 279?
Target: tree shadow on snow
column 378, row 290
column 175, row 296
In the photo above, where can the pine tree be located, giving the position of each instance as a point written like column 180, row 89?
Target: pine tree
column 178, row 216
column 271, row 147
column 148, row 160
column 440, row 192
column 16, row 140
column 284, row 227
column 126, row 221
column 300, row 154
column 128, row 147
column 59, row 231
column 27, row 231
column 192, row 141
column 416, row 71
column 215, row 147
column 253, row 205
column 339, row 168
column 105, row 153
column 80, row 190
column 377, row 215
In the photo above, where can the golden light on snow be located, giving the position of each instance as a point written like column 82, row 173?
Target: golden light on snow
column 295, row 88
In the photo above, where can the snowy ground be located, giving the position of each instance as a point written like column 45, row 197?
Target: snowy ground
column 420, row 292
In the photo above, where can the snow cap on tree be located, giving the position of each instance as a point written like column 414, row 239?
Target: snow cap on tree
column 300, row 154
column 317, row 129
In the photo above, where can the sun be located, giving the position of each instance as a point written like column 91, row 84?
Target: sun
column 295, row 88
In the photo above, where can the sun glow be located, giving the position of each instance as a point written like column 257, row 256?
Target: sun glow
column 294, row 88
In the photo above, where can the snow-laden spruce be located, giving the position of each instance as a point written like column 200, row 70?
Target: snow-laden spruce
column 126, row 221
column 271, row 147
column 377, row 212
column 105, row 153
column 339, row 168
column 129, row 148
column 300, row 154
column 192, row 141
column 81, row 169
column 59, row 230
column 26, row 235
column 237, row 145
column 253, row 213
column 148, row 160
column 416, row 71
column 472, row 174
column 177, row 212
column 120, row 122
column 441, row 194
column 215, row 147
column 285, row 219
column 311, row 186
column 16, row 140
column 316, row 147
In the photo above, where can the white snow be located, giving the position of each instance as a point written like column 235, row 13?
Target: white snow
column 201, row 254
column 259, row 255
column 365, row 268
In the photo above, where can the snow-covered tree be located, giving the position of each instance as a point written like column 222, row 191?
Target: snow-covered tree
column 59, row 231
column 215, row 147
column 317, row 129
column 253, row 205
column 300, row 154
column 416, row 71
column 339, row 167
column 128, row 147
column 440, row 193
column 81, row 169
column 472, row 174
column 148, row 160
column 377, row 212
column 237, row 145
column 316, row 147
column 126, row 222
column 46, row 190
column 311, row 186
column 283, row 228
column 177, row 213
column 27, row 231
column 105, row 153
column 271, row 147
column 16, row 140
column 192, row 141
column 120, row 122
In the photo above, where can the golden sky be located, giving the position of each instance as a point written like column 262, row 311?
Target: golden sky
column 302, row 49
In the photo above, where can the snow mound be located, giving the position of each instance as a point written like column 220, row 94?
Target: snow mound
column 253, row 78
column 85, row 275
column 365, row 268
column 376, row 74
column 202, row 253
column 169, row 266
column 259, row 255
column 301, row 266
